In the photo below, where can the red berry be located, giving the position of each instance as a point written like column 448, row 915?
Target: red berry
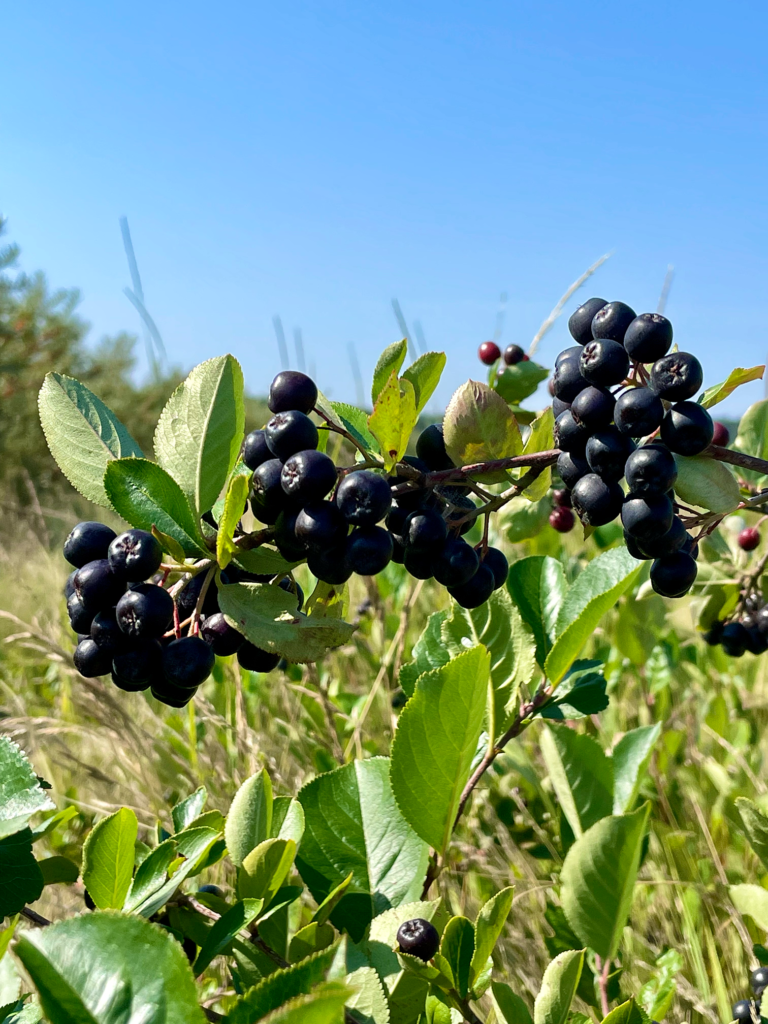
column 562, row 497
column 721, row 435
column 489, row 352
column 551, row 386
column 749, row 538
column 561, row 519
column 526, row 358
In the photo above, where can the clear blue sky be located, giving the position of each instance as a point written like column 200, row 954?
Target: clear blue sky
column 316, row 159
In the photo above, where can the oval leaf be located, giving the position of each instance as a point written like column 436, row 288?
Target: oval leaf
column 719, row 392
column 21, row 794
column 458, row 947
column 425, row 375
column 393, row 418
column 249, row 821
column 389, row 362
column 480, row 427
column 707, row 483
column 558, row 988
column 753, row 901
column 108, row 855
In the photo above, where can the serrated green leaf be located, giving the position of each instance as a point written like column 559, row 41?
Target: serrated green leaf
column 429, row 652
column 707, row 483
column 234, row 506
column 540, row 439
column 582, row 692
column 200, row 430
column 558, row 988
column 458, row 947
column 265, row 869
column 719, row 392
column 355, row 422
column 448, row 705
column 249, row 820
column 82, row 434
column 516, row 383
column 57, row 870
column 755, row 824
column 390, row 362
column 146, row 496
column 478, row 427
column 425, row 374
column 224, row 930
column 108, row 859
column 488, row 927
column 510, row 1008
column 598, row 879
column 287, row 819
column 538, row 587
column 280, row 987
column 151, row 874
column 369, row 1003
column 186, row 810
column 21, row 794
column 581, row 775
column 630, row 758
column 393, row 418
column 21, row 880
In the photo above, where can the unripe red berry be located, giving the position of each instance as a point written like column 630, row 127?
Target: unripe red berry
column 562, row 497
column 525, row 358
column 721, row 435
column 562, row 519
column 489, row 352
column 551, row 386
column 749, row 538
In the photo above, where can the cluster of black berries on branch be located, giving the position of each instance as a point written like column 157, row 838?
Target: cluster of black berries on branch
column 618, row 385
column 746, row 631
column 747, row 1011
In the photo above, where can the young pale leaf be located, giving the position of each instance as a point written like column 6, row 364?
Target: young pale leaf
column 393, row 418
column 139, row 967
column 755, row 824
column 657, row 993
column 266, row 615
column 479, row 427
column 108, row 859
column 425, row 374
column 355, row 422
column 448, row 705
column 630, row 760
column 200, row 430
column 538, row 588
column 390, row 361
column 516, row 383
column 287, row 819
column 352, row 825
column 581, row 693
column 598, row 879
column 719, row 392
column 21, row 880
column 595, row 591
column 265, row 869
column 627, row 1013
column 488, row 927
column 169, row 544
column 224, row 930
column 234, row 506
column 21, row 794
column 328, row 601
column 558, row 988
column 751, row 900
column 429, row 652
column 249, row 821
column 146, row 496
column 151, row 875
column 191, row 845
column 458, row 947
column 581, row 775
column 280, row 987
column 82, row 434
column 539, row 439
column 707, row 483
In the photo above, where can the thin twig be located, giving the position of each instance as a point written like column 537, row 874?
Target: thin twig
column 562, row 301
column 35, row 918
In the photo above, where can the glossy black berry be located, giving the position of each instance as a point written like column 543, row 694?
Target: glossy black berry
column 172, row 695
column 455, row 564
column 425, row 531
column 733, row 639
column 675, row 539
column 604, row 362
column 255, row 449
column 254, row 659
column 639, row 412
column 106, row 633
column 188, row 662
column 419, row 938
column 420, row 564
column 87, row 542
column 477, row 590
column 559, row 406
column 320, row 525
column 569, row 435
column 135, row 555
column 513, row 354
column 757, row 642
column 673, row 575
column 580, row 321
column 212, row 890
column 145, row 612
column 687, row 428
column 186, row 599
column 290, row 432
column 80, row 617
column 758, row 980
column 97, row 586
column 308, row 476
column 430, row 448
column 596, row 501
column 571, row 468
column 593, row 407
column 677, row 376
column 568, row 355
column 268, row 496
column 330, row 565
column 222, row 638
column 650, row 470
column 69, row 585
column 743, row 1010
column 612, row 321
column 634, row 548
column 647, row 517
column 138, row 667
column 497, row 562
column 607, row 451
column 91, row 660
column 648, row 337
column 568, row 380
column 459, row 497
column 369, row 550
column 363, row 498
column 292, row 390
column 288, row 544
column 714, row 634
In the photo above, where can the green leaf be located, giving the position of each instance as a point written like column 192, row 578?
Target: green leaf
column 751, row 900
column 267, row 616
column 581, row 693
column 755, row 824
column 146, row 496
column 558, row 988
column 352, row 825
column 200, row 430
column 224, row 930
column 752, row 438
column 480, row 427
column 390, row 361
column 53, row 822
column 598, row 879
column 325, row 909
column 488, row 928
column 369, row 1003
column 429, row 652
column 108, row 859
column 280, row 987
column 719, row 392
column 21, row 794
column 581, row 776
column 249, row 821
column 264, row 560
column 323, row 1006
column 105, row 968
column 151, row 874
column 393, row 418
column 626, row 1013
column 658, row 992
column 265, row 869
column 287, row 819
column 594, row 592
column 516, row 383
column 169, row 544
column 448, row 706
column 630, row 757
column 458, row 947
column 522, row 519
column 707, row 483
column 192, row 844
column 310, row 939
column 234, row 506
column 538, row 587
column 21, row 880
column 58, row 869
column 540, row 439
column 82, row 434
column 186, row 810
column 510, row 1008
column 425, row 374
column 355, row 422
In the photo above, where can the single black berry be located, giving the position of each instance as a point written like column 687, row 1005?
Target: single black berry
column 331, row 564
column 456, row 564
column 757, row 642
column 145, row 612
column 419, row 938
column 477, row 590
column 369, row 550
column 572, row 354
column 569, row 435
column 308, row 476
column 87, row 542
column 223, row 638
column 648, row 337
column 420, row 564
column 634, row 548
column 677, row 376
column 91, row 660
column 212, row 890
column 363, row 498
column 288, row 544
column 743, row 1010
column 80, row 617
column 106, row 633
column 571, row 468
column 138, row 667
column 430, row 448
column 607, row 451
column 320, row 525
column 687, row 428
column 593, row 407
column 596, row 501
column 714, row 634
column 612, row 321
column 255, row 449
column 568, row 380
column 513, row 354
column 604, row 362
column 639, row 412
column 759, row 979
column 97, row 586
column 69, row 585
column 497, row 562
column 135, row 555
column 733, row 639
column 673, row 575
column 647, row 517
column 425, row 531
column 292, row 390
column 254, row 659
column 186, row 599
column 580, row 322
column 188, row 662
column 290, row 432
column 675, row 539
column 650, row 469
column 172, row 695
column 268, row 496
column 559, row 406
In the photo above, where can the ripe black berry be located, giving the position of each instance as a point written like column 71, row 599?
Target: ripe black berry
column 647, row 517
column 308, row 476
column 596, row 501
column 513, row 354
column 186, row 599
column 80, row 617
column 569, row 435
column 562, row 519
column 268, row 496
column 489, row 352
column 559, row 406
column 497, row 562
column 612, row 321
column 172, row 695
column 292, row 390
column 634, row 548
column 213, row 890
column 321, row 525
column 456, row 564
column 571, row 469
column 759, row 979
column 330, row 565
column 430, row 448
column 648, row 337
column 675, row 539
column 607, row 452
column 677, row 376
column 69, row 585
column 369, row 550
column 639, row 412
column 420, row 564
column 749, row 539
column 733, row 639
column 87, row 542
column 568, row 380
column 255, row 449
column 604, row 362
column 687, row 428
column 593, row 407
column 459, row 497
column 254, row 659
column 757, row 642
column 743, row 1010
column 418, row 938
column 138, row 667
column 91, row 660
column 106, row 633
column 288, row 544
column 425, row 530
column 363, row 498
column 580, row 322
column 223, row 638
column 145, row 612
column 650, row 469
column 188, row 662
column 135, row 555
column 673, row 575
column 477, row 591
column 290, row 432
column 97, row 586
column 721, row 435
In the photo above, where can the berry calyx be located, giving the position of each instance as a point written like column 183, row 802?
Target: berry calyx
column 87, row 542
column 135, row 555
column 580, row 321
column 677, row 376
column 292, row 390
column 648, row 337
column 604, row 362
column 749, row 538
column 308, row 475
column 513, row 354
column 489, row 352
column 562, row 519
column 145, row 612
column 363, row 498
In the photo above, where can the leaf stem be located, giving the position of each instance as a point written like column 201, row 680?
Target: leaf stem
column 602, row 981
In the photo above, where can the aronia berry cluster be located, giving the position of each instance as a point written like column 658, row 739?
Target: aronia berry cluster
column 747, row 1011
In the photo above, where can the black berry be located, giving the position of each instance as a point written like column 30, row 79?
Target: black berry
column 496, row 561
column 759, row 978
column 673, row 575
column 330, row 565
column 80, row 617
column 647, row 517
column 106, row 633
column 733, row 639
column 290, row 432
column 369, row 550
column 604, row 362
column 321, row 525
column 188, row 662
column 138, row 667
column 97, row 586
column 559, row 406
column 594, row 407
column 288, row 544
column 255, row 449
column 677, row 376
column 757, row 642
column 430, row 448
column 420, row 564
column 571, row 468
column 607, row 451
column 363, row 498
column 569, row 435
column 568, row 380
column 419, row 938
column 223, row 638
column 87, row 543
column 91, row 660
column 634, row 548
column 596, row 501
column 292, row 390
column 477, row 590
column 639, row 412
column 456, row 564
column 648, row 337
column 268, row 496
column 69, row 585
column 308, row 475
column 675, row 539
column 135, row 555
column 743, row 1010
column 580, row 322
column 612, row 321
column 513, row 354
column 254, row 659
column 172, row 695
column 650, row 469
column 425, row 531
column 687, row 428
column 145, row 612
column 186, row 599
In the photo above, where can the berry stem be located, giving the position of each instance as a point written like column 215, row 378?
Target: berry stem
column 602, row 981
column 194, row 626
